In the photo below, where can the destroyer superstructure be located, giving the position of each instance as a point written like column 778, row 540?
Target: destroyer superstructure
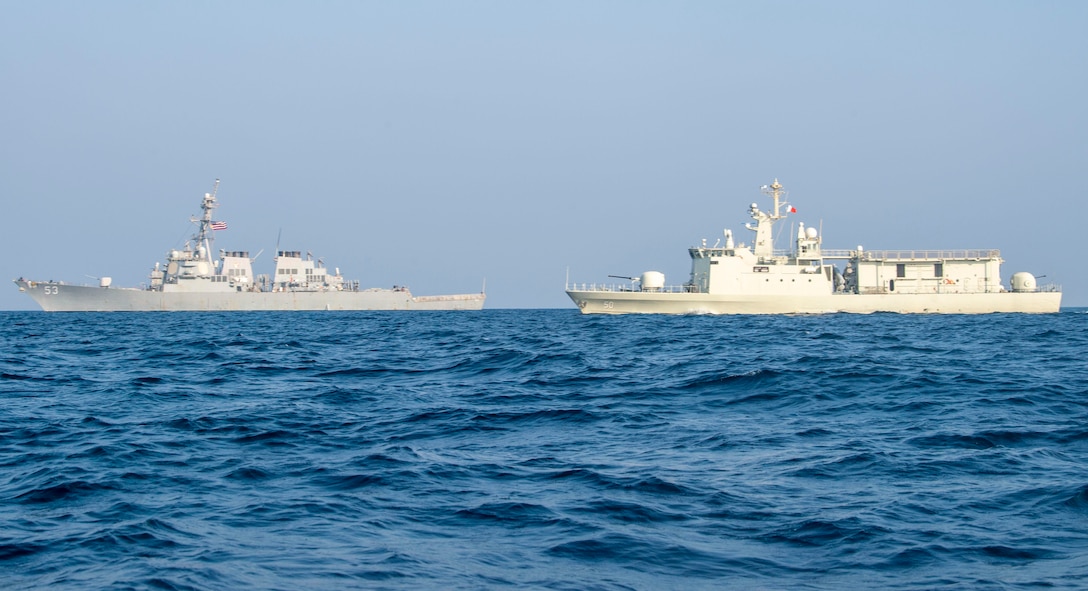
column 191, row 280
column 757, row 279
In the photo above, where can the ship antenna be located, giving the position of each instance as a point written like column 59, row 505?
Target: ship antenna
column 764, row 246
column 776, row 192
column 205, row 236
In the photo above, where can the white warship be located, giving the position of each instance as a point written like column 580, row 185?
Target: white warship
column 757, row 279
column 192, row 281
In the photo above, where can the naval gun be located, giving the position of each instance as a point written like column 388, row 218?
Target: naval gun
column 648, row 281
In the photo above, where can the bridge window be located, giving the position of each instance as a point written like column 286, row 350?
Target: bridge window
column 938, row 269
column 901, row 270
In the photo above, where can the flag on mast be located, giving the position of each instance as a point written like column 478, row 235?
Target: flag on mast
column 219, row 225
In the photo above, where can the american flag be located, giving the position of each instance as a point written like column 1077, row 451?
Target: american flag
column 219, row 225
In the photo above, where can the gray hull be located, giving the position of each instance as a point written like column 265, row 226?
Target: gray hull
column 58, row 297
column 633, row 302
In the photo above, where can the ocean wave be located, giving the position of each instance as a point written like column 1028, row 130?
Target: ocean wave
column 542, row 449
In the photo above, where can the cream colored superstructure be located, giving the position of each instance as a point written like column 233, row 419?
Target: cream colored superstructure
column 757, row 279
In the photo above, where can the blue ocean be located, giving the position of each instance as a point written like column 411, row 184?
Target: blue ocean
column 543, row 449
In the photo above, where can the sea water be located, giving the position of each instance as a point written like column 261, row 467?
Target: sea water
column 543, row 449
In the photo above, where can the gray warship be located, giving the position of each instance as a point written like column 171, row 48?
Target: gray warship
column 191, row 280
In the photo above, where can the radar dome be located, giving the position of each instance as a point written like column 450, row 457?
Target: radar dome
column 1023, row 281
column 811, row 233
column 652, row 281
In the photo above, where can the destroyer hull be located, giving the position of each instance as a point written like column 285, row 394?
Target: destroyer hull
column 57, row 297
column 634, row 302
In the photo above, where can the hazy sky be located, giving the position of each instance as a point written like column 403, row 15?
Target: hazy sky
column 439, row 144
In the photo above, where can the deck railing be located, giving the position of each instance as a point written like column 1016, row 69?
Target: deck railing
column 915, row 255
column 613, row 287
column 876, row 255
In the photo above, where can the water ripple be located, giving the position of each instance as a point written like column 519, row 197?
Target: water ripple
column 543, row 449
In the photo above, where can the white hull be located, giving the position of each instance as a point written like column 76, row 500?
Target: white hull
column 637, row 302
column 57, row 297
column 737, row 278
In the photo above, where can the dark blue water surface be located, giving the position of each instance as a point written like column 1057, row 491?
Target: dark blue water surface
column 543, row 449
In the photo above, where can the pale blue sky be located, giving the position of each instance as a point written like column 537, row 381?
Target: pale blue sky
column 436, row 144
